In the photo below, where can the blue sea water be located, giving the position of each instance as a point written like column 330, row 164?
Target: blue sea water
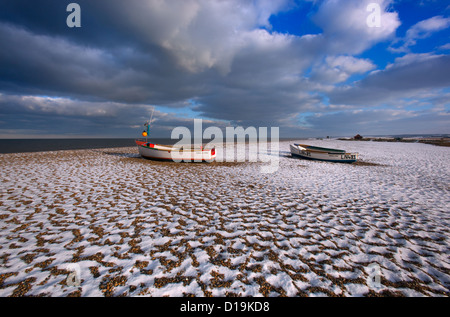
column 40, row 145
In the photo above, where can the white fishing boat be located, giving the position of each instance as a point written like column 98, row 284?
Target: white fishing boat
column 310, row 152
column 186, row 153
column 181, row 153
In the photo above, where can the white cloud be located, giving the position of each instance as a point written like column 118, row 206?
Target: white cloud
column 337, row 69
column 201, row 34
column 425, row 28
column 409, row 76
column 421, row 30
column 345, row 26
column 445, row 47
column 381, row 122
column 412, row 58
column 350, row 64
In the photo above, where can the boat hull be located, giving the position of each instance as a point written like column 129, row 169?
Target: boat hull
column 175, row 154
column 322, row 154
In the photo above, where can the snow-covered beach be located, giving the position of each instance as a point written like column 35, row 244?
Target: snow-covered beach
column 130, row 226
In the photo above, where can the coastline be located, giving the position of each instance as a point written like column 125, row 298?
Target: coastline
column 438, row 141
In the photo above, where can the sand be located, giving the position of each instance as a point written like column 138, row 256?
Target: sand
column 135, row 227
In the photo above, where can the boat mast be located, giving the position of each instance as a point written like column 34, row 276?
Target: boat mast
column 149, row 124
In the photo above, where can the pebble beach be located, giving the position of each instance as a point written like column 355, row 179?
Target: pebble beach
column 136, row 227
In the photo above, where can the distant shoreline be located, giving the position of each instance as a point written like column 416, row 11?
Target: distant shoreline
column 44, row 145
column 438, row 141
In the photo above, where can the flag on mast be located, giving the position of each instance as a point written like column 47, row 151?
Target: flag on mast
column 147, row 125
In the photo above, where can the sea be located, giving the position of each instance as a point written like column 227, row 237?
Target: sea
column 42, row 145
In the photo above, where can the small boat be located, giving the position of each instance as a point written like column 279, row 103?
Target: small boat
column 310, row 152
column 181, row 153
column 186, row 153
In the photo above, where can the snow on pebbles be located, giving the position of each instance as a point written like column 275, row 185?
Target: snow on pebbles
column 128, row 226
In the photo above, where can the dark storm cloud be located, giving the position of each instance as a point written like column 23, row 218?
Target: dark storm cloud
column 54, row 116
column 48, row 17
column 378, row 122
column 154, row 58
column 410, row 75
column 218, row 59
column 40, row 64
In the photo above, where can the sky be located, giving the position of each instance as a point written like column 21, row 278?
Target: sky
column 313, row 68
